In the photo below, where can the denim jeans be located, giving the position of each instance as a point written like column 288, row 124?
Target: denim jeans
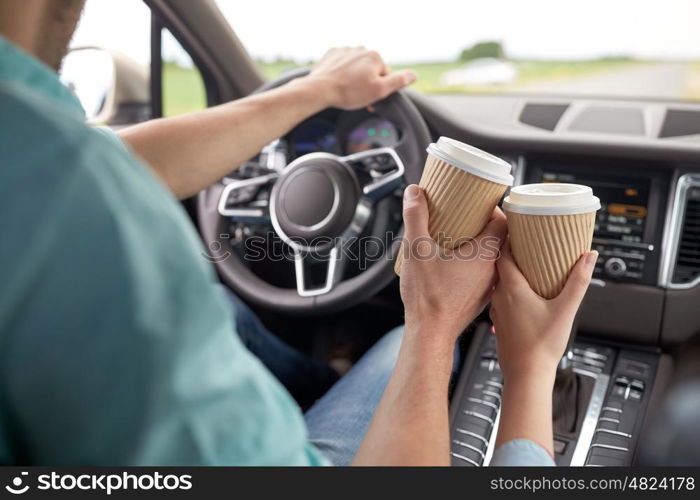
column 338, row 421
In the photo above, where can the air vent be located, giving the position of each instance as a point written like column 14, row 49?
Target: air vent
column 687, row 268
column 680, row 122
column 544, row 116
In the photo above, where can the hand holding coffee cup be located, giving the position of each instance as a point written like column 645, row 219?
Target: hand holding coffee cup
column 550, row 227
column 462, row 185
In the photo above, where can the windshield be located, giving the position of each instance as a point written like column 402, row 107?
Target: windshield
column 618, row 48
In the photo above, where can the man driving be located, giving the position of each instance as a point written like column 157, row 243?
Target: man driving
column 119, row 346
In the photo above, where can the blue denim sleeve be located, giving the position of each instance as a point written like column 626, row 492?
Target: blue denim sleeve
column 521, row 453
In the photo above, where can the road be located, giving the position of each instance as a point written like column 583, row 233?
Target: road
column 667, row 80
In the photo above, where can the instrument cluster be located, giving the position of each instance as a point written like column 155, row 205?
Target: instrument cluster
column 342, row 134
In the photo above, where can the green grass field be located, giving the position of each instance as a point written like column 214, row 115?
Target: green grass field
column 184, row 91
column 528, row 72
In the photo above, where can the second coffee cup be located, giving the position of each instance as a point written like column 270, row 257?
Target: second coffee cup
column 463, row 185
column 550, row 226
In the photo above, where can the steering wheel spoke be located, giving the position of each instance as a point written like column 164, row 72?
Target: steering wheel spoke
column 331, row 261
column 384, row 168
column 240, row 200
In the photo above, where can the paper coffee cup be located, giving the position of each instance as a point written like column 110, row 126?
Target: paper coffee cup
column 462, row 185
column 550, row 227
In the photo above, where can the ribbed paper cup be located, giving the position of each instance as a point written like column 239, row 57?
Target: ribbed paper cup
column 550, row 227
column 462, row 185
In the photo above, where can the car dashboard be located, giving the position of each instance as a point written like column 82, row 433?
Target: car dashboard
column 642, row 160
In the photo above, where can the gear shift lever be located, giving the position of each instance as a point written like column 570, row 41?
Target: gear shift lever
column 566, row 400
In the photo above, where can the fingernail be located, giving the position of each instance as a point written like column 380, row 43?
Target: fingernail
column 412, row 77
column 411, row 192
column 591, row 258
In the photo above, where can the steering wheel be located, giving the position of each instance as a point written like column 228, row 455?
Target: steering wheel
column 316, row 205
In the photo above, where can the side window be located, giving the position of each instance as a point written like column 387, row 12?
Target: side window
column 122, row 59
column 182, row 85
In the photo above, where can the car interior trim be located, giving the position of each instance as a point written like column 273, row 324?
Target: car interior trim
column 674, row 228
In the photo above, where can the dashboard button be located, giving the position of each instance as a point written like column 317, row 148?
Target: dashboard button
column 559, row 446
column 635, row 395
column 473, row 424
column 486, row 410
column 615, row 267
column 472, row 437
column 605, row 457
column 637, row 384
column 473, row 446
column 607, row 424
column 619, row 391
column 611, row 441
column 467, row 457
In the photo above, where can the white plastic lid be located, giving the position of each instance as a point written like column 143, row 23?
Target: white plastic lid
column 551, row 199
column 473, row 160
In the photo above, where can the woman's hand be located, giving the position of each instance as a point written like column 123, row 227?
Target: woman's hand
column 531, row 336
column 532, row 332
column 444, row 290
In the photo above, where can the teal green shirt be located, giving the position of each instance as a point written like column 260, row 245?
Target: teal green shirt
column 115, row 345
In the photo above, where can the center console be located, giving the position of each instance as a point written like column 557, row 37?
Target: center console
column 612, row 390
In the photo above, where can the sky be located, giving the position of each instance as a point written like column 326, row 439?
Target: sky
column 408, row 31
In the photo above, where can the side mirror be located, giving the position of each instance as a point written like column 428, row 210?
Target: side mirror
column 112, row 88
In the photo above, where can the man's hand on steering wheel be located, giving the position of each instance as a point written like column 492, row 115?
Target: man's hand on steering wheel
column 355, row 77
